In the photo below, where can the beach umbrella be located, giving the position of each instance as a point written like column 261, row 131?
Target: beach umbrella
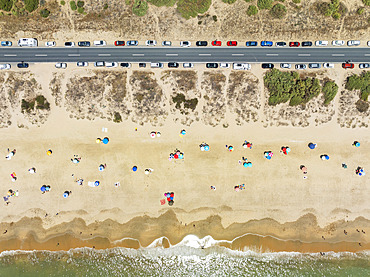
column 181, row 156
column 206, row 147
column 32, row 170
column 236, row 188
column 47, row 188
column 168, row 199
column 356, row 143
column 183, row 132
column 249, row 164
column 268, row 157
column 43, row 188
column 105, row 140
column 66, row 194
column 312, row 145
column 98, row 140
column 231, row 148
column 245, row 164
column 170, row 202
column 146, row 171
column 134, row 168
column 75, row 161
column 49, row 152
column 101, row 167
column 96, row 183
column 287, row 149
column 326, row 157
column 202, row 148
column 152, row 134
column 158, row 134
column 176, row 156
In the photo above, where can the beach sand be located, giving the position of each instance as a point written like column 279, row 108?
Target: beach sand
column 278, row 210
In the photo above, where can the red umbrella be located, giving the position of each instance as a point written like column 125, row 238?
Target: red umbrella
column 168, row 199
column 172, row 194
column 176, row 156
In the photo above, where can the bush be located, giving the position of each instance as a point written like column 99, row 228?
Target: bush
column 105, row 6
column 140, row 7
column 80, row 10
column 44, row 13
column 296, row 1
column 6, row 5
column 73, row 5
column 334, row 9
column 27, row 106
column 264, row 4
column 278, row 11
column 161, row 3
column 360, row 10
column 330, row 89
column 31, row 5
column 362, row 106
column 229, row 1
column 191, row 8
column 80, row 4
column 214, row 18
column 248, row 1
column 180, row 99
column 62, row 2
column 360, row 82
column 42, row 103
column 252, row 10
column 117, row 117
column 366, row 2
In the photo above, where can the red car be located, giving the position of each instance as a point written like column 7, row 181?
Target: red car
column 232, row 43
column 348, row 65
column 119, row 43
column 216, row 43
column 294, row 44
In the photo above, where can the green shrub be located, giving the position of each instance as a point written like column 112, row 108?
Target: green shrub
column 252, row 10
column 229, row 1
column 360, row 10
column 360, row 82
column 117, row 117
column 214, row 18
column 44, row 13
column 334, row 9
column 42, row 103
column 362, row 106
column 62, row 2
column 248, row 1
column 330, row 89
column 27, row 106
column 106, row 6
column 80, row 10
column 180, row 99
column 73, row 5
column 264, row 4
column 31, row 5
column 140, row 7
column 366, row 2
column 191, row 8
column 80, row 4
column 161, row 3
column 6, row 5
column 296, row 1
column 278, row 11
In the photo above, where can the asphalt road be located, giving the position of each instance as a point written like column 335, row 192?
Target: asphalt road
column 182, row 54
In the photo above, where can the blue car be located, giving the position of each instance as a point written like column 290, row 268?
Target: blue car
column 251, row 43
column 6, row 43
column 132, row 43
column 266, row 43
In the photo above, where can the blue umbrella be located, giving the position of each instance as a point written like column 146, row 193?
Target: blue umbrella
column 105, row 140
column 268, row 157
column 43, row 188
column 183, row 132
column 65, row 194
column 326, row 157
column 206, row 147
column 101, row 167
column 357, row 144
column 249, row 164
column 245, row 164
column 312, row 145
column 181, row 156
column 97, row 183
column 134, row 168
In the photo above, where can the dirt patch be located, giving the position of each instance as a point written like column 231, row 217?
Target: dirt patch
column 55, row 87
column 348, row 114
column 5, row 119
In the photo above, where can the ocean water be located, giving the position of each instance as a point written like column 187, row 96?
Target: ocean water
column 180, row 261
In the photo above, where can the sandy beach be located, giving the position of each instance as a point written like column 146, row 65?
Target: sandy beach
column 277, row 209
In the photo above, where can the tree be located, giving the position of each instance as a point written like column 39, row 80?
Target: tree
column 264, row 4
column 6, row 5
column 252, row 10
column 329, row 90
column 278, row 11
column 31, row 5
column 140, row 7
column 44, row 13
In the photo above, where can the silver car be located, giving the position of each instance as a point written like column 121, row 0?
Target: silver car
column 328, row 65
column 353, row 43
column 285, row 65
column 61, row 65
column 156, row 65
column 166, row 43
column 99, row 64
column 300, row 66
column 187, row 65
column 82, row 64
column 224, row 65
column 364, row 65
column 111, row 64
column 5, row 66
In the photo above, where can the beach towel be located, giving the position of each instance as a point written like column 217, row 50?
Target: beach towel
column 163, row 201
column 91, row 184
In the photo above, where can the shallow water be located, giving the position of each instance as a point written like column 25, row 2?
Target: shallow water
column 180, row 261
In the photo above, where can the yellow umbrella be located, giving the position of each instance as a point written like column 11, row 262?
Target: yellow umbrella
column 98, row 140
column 49, row 152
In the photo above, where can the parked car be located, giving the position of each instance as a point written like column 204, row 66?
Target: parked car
column 211, row 65
column 328, row 65
column 337, row 42
column 232, row 43
column 27, row 42
column 82, row 64
column 126, row 65
column 142, row 64
column 166, row 43
column 266, row 43
column 100, row 43
column 99, row 64
column 216, row 43
column 185, row 43
column 23, row 65
column 201, row 43
column 251, row 43
column 314, row 65
column 300, row 66
column 132, row 43
column 111, row 64
column 267, row 66
column 61, row 65
column 6, row 43
column 119, row 43
column 173, row 65
column 353, row 43
column 224, row 65
column 187, row 65
column 241, row 66
column 294, row 44
column 50, row 44
column 368, row 43
column 348, row 65
column 285, row 65
column 306, row 43
column 84, row 43
column 5, row 66
column 151, row 43
column 156, row 65
column 321, row 43
column 364, row 65
column 69, row 44
column 280, row 44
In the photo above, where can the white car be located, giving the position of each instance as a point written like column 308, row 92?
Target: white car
column 61, row 65
column 285, row 65
column 185, row 43
column 100, row 43
column 151, row 43
column 166, row 43
column 111, row 64
column 328, row 65
column 224, row 65
column 321, row 43
column 50, row 44
column 82, row 64
column 241, row 66
column 156, row 65
column 353, row 43
column 187, row 65
column 5, row 66
column 337, row 42
column 368, row 43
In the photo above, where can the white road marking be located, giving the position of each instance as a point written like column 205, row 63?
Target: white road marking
column 73, row 55
column 237, row 54
column 10, row 55
column 204, row 54
column 304, row 55
column 102, row 55
column 272, row 54
column 337, row 55
column 172, row 54
column 137, row 54
column 41, row 55
column 366, row 55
